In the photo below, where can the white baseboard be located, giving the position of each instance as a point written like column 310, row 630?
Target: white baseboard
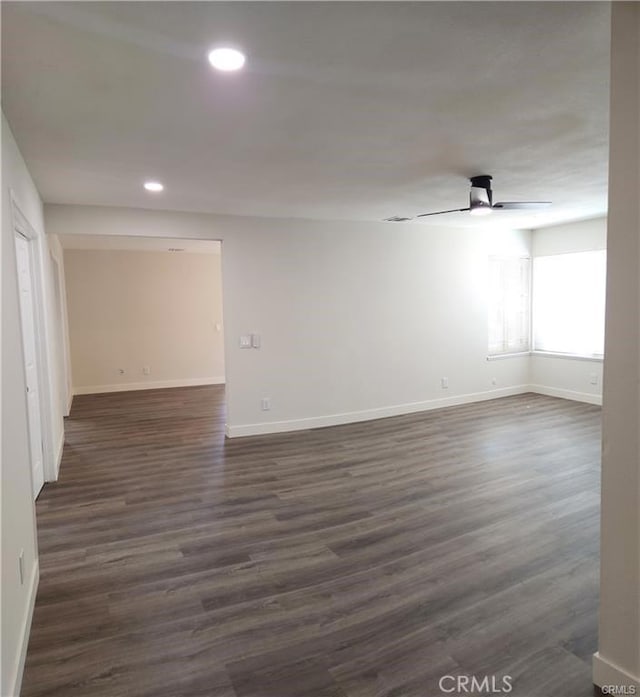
column 148, row 385
column 607, row 673
column 566, row 394
column 368, row 414
column 15, row 682
column 69, row 402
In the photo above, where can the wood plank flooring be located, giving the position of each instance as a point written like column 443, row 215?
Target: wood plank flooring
column 366, row 560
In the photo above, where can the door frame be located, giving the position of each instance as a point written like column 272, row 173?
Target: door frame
column 22, row 226
column 62, row 333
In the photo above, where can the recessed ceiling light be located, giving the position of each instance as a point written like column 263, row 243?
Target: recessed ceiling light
column 226, row 59
column 153, row 186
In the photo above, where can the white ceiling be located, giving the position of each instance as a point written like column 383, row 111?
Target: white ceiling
column 139, row 244
column 344, row 111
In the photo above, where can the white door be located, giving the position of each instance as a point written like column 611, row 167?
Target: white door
column 28, row 317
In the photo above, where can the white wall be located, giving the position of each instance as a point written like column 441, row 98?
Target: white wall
column 18, row 520
column 134, row 309
column 561, row 376
column 357, row 320
column 618, row 658
column 581, row 236
column 360, row 321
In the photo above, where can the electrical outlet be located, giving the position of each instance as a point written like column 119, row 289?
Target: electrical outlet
column 21, row 567
column 593, row 379
column 265, row 403
column 146, row 370
column 444, row 383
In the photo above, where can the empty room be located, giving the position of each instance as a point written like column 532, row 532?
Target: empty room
column 142, row 313
column 320, row 349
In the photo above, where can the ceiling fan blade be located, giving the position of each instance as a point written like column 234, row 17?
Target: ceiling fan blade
column 453, row 210
column 521, row 205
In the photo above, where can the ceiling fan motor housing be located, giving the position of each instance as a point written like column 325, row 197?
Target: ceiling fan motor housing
column 481, row 195
column 482, row 181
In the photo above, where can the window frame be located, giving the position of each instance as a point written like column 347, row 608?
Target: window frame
column 493, row 355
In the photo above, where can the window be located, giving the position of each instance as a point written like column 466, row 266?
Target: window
column 509, row 302
column 568, row 303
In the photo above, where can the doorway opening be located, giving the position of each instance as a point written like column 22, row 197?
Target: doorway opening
column 143, row 313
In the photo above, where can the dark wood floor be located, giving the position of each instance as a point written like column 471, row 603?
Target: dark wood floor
column 358, row 561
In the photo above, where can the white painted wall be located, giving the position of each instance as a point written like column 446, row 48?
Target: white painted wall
column 360, row 321
column 581, row 236
column 618, row 659
column 357, row 320
column 131, row 309
column 561, row 376
column 18, row 519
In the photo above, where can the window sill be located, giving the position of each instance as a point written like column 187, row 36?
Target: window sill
column 568, row 356
column 546, row 354
column 502, row 356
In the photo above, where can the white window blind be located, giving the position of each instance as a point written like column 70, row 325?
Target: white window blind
column 509, row 303
column 569, row 302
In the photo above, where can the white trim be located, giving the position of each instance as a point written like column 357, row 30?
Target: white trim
column 567, row 356
column 69, row 402
column 607, row 673
column 22, row 226
column 59, row 453
column 156, row 385
column 567, row 394
column 31, row 332
column 58, row 281
column 18, row 668
column 19, row 219
column 368, row 414
column 502, row 356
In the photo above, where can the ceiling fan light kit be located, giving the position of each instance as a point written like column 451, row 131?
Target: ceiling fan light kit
column 480, row 209
column 480, row 202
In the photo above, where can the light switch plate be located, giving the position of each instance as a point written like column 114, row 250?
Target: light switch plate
column 255, row 340
column 245, row 341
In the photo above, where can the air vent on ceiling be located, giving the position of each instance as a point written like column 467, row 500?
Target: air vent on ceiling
column 176, row 249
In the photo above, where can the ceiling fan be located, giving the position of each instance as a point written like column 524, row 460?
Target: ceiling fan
column 481, row 202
